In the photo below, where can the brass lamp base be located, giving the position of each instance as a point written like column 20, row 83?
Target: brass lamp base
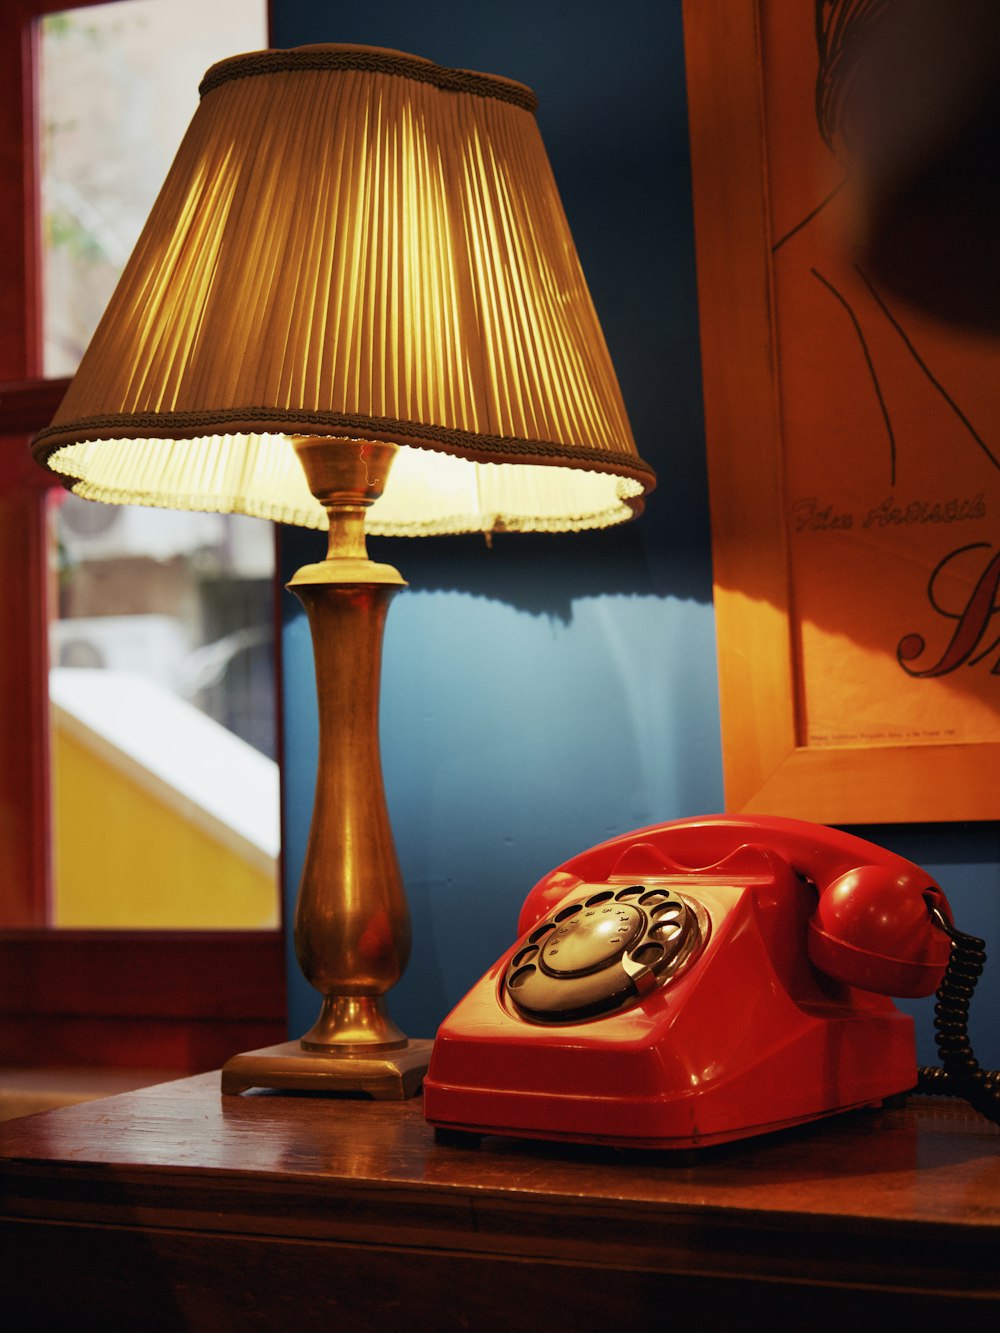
column 352, row 923
column 386, row 1076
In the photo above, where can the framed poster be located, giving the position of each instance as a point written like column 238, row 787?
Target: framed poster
column 854, row 452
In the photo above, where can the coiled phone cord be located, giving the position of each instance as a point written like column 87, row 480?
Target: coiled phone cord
column 959, row 1074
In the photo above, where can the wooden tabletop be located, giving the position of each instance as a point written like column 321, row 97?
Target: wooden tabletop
column 902, row 1200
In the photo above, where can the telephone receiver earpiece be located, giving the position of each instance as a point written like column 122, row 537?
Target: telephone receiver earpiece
column 874, row 932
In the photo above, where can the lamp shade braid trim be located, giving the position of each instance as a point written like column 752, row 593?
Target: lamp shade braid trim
column 365, row 246
column 375, row 60
column 258, row 420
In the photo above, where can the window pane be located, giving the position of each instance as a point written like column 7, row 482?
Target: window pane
column 118, row 87
column 163, row 746
column 165, row 783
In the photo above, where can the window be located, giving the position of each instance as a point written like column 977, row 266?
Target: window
column 155, row 997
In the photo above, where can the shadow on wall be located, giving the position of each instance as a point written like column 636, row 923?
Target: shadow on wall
column 543, row 574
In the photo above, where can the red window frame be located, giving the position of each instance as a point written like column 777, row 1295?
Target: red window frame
column 181, row 1000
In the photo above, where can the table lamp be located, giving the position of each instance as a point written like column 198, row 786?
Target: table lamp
column 356, row 304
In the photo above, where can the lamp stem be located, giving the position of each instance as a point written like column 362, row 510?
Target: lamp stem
column 352, row 922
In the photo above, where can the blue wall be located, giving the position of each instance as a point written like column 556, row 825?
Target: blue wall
column 548, row 693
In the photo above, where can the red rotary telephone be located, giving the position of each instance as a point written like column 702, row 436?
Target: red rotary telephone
column 699, row 982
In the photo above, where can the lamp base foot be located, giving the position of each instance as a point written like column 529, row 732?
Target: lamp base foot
column 384, row 1075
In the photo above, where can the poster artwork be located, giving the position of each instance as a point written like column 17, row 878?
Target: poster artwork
column 890, row 426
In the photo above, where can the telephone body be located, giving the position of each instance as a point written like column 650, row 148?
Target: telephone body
column 695, row 983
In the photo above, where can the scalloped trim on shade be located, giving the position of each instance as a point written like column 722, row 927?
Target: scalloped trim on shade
column 260, row 475
column 261, row 421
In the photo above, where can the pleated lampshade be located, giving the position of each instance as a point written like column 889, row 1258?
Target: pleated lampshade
column 361, row 244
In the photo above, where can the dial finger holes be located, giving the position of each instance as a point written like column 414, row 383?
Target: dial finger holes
column 599, row 898
column 647, row 954
column 667, row 911
column 525, row 955
column 568, row 911
column 654, row 897
column 520, row 976
column 541, row 932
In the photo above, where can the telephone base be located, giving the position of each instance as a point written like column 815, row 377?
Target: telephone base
column 732, row 1048
column 695, row 984
column 637, row 1091
column 383, row 1075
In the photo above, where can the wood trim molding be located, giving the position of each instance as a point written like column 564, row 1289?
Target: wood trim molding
column 183, row 1000
column 742, row 425
column 25, row 406
column 25, row 798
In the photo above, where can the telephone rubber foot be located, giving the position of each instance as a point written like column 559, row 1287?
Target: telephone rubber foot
column 677, row 1157
column 457, row 1138
column 896, row 1102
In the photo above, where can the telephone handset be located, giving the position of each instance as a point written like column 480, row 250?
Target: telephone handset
column 704, row 981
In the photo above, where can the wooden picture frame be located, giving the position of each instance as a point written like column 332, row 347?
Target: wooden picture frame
column 767, row 767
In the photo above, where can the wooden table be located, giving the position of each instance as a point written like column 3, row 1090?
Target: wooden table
column 171, row 1208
